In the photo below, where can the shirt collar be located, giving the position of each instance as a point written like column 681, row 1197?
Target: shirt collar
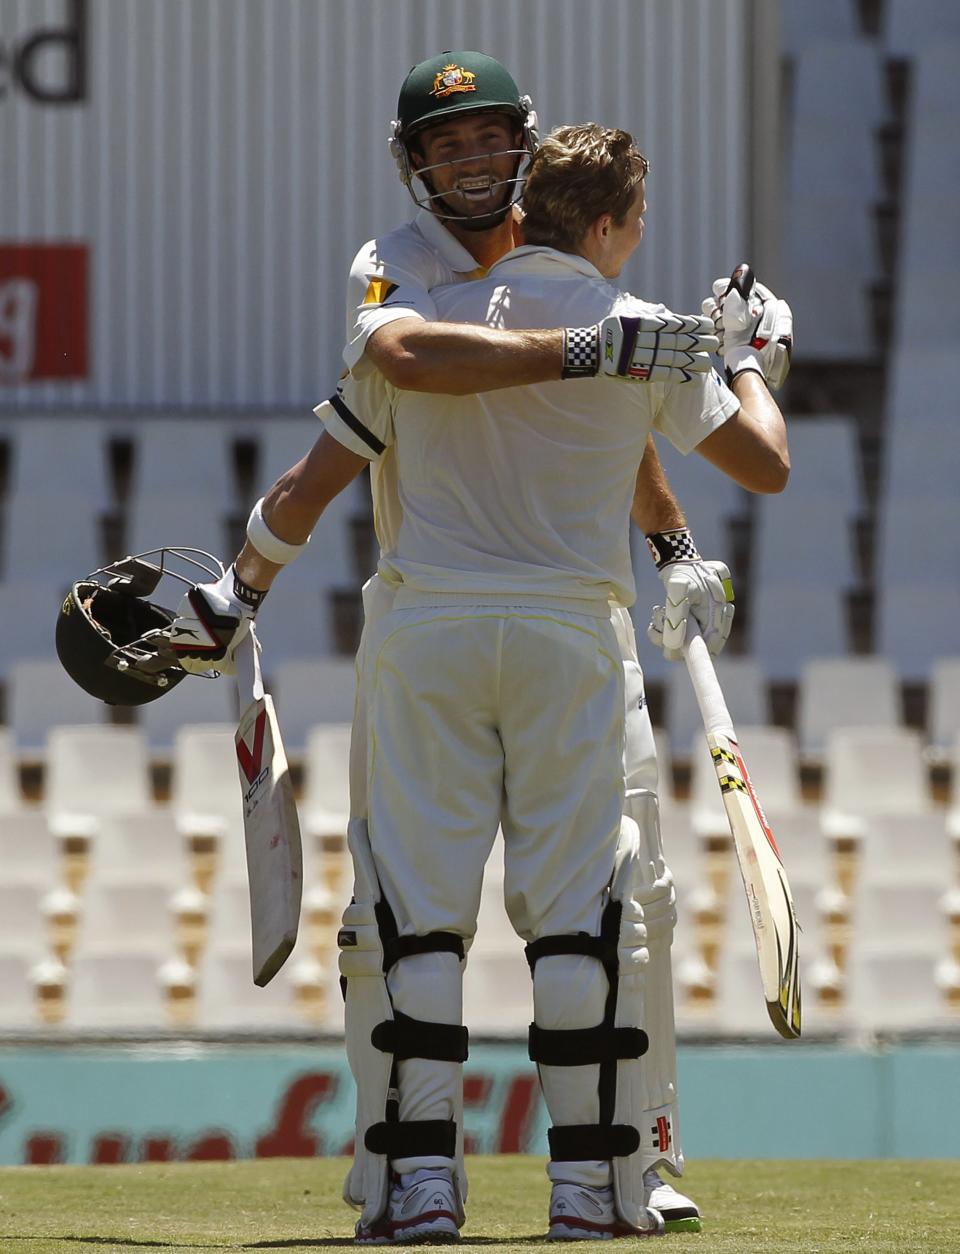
column 538, row 259
column 440, row 239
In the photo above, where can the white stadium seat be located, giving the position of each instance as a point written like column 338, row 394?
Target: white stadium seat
column 41, row 695
column 311, row 691
column 120, row 912
column 872, row 770
column 845, row 692
column 325, row 808
column 194, row 701
column 17, row 991
column 916, row 622
column 92, row 772
column 51, row 537
column 28, row 620
column 226, row 996
column 194, row 456
column 66, row 455
column 111, row 989
column 790, row 626
column 146, row 848
column 913, row 26
column 206, row 796
column 943, row 721
column 744, row 689
column 175, row 518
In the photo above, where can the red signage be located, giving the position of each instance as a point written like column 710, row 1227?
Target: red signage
column 44, row 312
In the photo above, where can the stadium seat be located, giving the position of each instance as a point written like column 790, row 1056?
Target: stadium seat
column 817, row 21
column 23, row 926
column 325, row 808
column 66, row 455
column 194, row 701
column 871, row 770
column 17, row 990
column 881, row 908
column 28, row 620
column 206, row 799
column 845, row 692
column 147, row 848
column 943, row 721
column 173, row 518
column 497, row 992
column 110, row 989
column 311, row 691
column 227, row 997
column 41, row 695
column 916, row 622
column 895, row 986
column 228, row 921
column 909, row 849
column 913, row 26
column 916, row 541
column 92, row 772
column 29, row 851
column 790, row 626
column 51, row 537
column 801, row 542
column 296, row 619
column 824, row 463
column 120, row 912
column 742, row 681
column 194, row 456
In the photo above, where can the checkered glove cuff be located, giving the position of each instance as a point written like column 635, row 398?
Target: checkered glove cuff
column 252, row 598
column 672, row 546
column 581, row 352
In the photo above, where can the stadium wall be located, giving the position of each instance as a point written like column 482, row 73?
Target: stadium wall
column 111, row 1104
column 184, row 184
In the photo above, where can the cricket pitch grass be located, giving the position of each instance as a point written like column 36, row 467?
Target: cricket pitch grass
column 294, row 1204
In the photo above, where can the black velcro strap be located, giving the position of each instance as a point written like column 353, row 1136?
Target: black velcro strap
column 399, row 947
column 420, row 1138
column 581, row 1047
column 598, row 947
column 581, row 1142
column 405, row 1037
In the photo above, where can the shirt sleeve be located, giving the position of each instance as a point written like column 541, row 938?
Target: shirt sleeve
column 689, row 411
column 382, row 289
column 360, row 414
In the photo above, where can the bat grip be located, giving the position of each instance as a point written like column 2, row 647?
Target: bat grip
column 706, row 687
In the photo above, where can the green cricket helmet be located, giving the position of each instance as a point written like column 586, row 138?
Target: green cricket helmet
column 452, row 84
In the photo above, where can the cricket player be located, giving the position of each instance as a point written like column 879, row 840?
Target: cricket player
column 462, row 139
column 502, row 584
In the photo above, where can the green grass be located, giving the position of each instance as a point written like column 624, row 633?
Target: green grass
column 294, row 1204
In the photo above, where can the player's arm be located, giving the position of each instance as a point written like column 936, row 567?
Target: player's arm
column 751, row 447
column 692, row 586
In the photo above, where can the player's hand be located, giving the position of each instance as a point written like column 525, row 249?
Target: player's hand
column 210, row 623
column 650, row 348
column 702, row 589
column 754, row 327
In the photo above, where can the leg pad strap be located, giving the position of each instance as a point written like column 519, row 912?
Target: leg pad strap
column 580, row 1142
column 406, row 1037
column 413, row 1139
column 581, row 1047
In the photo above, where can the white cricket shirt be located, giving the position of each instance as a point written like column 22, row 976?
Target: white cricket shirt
column 523, row 493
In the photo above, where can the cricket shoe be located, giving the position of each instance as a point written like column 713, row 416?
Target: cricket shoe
column 423, row 1208
column 581, row 1213
column 679, row 1213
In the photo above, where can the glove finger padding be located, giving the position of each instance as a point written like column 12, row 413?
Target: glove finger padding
column 702, row 589
column 755, row 331
column 655, row 347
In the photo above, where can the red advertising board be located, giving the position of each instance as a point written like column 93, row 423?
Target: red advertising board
column 44, row 312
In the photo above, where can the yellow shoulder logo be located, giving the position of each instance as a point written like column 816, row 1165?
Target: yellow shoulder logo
column 378, row 291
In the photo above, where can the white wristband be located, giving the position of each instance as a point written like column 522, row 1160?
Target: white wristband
column 266, row 543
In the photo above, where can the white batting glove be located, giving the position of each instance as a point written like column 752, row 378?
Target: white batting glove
column 212, row 619
column 650, row 348
column 754, row 327
column 694, row 587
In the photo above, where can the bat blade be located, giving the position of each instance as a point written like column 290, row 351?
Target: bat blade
column 772, row 914
column 765, row 883
column 270, row 824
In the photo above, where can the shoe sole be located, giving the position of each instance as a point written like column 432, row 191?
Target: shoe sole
column 426, row 1235
column 692, row 1223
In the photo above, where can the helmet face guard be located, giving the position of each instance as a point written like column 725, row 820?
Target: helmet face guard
column 461, row 84
column 114, row 642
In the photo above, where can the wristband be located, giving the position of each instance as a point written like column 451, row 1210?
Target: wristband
column 252, row 598
column 266, row 543
column 581, row 352
column 675, row 545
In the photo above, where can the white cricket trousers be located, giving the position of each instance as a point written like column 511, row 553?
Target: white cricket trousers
column 482, row 716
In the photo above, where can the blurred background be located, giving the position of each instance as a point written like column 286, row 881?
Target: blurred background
column 182, row 189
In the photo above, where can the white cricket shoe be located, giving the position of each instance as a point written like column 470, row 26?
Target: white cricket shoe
column 581, row 1213
column 679, row 1213
column 423, row 1208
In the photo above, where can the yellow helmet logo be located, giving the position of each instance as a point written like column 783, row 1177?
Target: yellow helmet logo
column 452, row 78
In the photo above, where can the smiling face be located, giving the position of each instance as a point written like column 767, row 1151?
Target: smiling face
column 469, row 162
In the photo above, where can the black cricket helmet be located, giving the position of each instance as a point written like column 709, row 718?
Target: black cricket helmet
column 451, row 84
column 112, row 640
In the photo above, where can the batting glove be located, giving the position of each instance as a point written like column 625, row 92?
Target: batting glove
column 755, row 329
column 648, row 348
column 693, row 587
column 212, row 619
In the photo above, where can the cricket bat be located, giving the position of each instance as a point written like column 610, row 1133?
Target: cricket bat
column 270, row 823
column 765, row 881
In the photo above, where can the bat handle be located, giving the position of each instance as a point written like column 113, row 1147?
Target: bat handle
column 713, row 708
